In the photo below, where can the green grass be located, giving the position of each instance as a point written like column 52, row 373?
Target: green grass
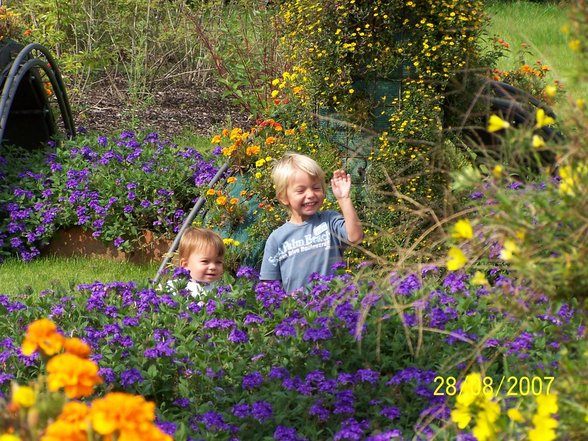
column 18, row 277
column 538, row 25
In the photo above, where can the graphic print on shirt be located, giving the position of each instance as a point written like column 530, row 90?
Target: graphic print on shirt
column 320, row 238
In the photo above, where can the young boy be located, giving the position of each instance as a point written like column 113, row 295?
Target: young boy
column 312, row 240
column 201, row 251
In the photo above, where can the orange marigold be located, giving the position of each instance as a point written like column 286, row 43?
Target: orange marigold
column 42, row 334
column 131, row 416
column 71, row 424
column 252, row 150
column 221, row 200
column 77, row 376
column 77, row 347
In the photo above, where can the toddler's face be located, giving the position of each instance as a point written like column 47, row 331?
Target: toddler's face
column 304, row 196
column 205, row 265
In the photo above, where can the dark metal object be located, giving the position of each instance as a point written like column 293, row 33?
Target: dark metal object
column 26, row 117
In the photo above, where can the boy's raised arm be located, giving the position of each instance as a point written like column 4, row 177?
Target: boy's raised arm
column 341, row 186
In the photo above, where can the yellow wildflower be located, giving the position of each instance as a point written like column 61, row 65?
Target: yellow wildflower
column 515, row 415
column 538, row 142
column 463, row 229
column 543, row 119
column 456, row 259
column 575, row 45
column 9, row 437
column 479, row 278
column 496, row 123
column 221, row 200
column 216, row 139
column 497, row 171
column 210, row 192
column 231, row 180
column 509, row 249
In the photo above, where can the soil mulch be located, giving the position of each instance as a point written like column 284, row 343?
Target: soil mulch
column 176, row 110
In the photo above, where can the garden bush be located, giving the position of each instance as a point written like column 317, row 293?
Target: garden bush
column 116, row 187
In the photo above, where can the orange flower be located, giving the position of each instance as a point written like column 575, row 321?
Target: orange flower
column 77, row 376
column 231, row 179
column 71, row 424
column 221, row 200
column 42, row 334
column 252, row 150
column 270, row 140
column 77, row 347
column 234, row 201
column 129, row 415
column 27, row 33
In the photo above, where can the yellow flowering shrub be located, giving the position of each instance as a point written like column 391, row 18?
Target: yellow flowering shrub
column 49, row 408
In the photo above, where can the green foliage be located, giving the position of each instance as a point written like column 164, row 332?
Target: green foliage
column 144, row 41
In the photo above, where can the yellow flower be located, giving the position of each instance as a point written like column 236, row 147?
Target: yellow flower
column 484, row 429
column 42, row 334
column 463, row 229
column 216, row 139
column 470, row 389
column 259, row 162
column 210, row 192
column 575, row 45
column 551, row 90
column 497, row 171
column 546, row 404
column 479, row 279
column 231, row 180
column 275, row 93
column 24, row 396
column 456, row 259
column 8, row 437
column 461, row 416
column 580, row 103
column 542, row 119
column 496, row 123
column 77, row 376
column 221, row 200
column 509, row 249
column 234, row 201
column 515, row 415
column 538, row 142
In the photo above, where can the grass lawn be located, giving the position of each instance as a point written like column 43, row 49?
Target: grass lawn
column 18, row 277
column 539, row 26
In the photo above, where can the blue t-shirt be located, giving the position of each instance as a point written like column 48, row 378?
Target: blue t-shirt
column 295, row 251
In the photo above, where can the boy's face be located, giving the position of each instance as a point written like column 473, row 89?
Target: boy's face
column 205, row 265
column 304, row 196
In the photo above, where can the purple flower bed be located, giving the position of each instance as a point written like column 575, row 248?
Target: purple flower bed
column 343, row 361
column 117, row 188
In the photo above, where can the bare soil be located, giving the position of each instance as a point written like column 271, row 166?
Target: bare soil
column 179, row 109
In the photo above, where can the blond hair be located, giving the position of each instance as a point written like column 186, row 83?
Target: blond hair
column 286, row 167
column 196, row 239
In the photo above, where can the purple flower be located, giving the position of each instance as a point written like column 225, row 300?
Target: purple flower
column 252, row 381
column 320, row 411
column 238, row 336
column 261, row 411
column 242, row 410
column 367, row 376
column 130, row 377
column 283, row 433
column 408, row 285
column 351, row 429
